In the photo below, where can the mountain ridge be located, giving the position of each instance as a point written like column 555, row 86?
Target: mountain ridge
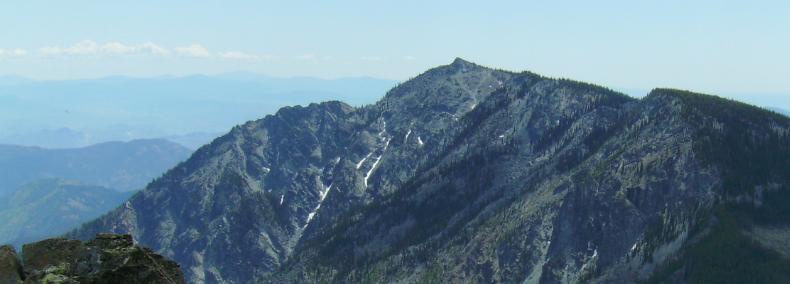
column 122, row 166
column 462, row 174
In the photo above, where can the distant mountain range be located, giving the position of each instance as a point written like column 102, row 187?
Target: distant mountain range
column 193, row 140
column 9, row 80
column 779, row 110
column 158, row 107
column 122, row 166
column 50, row 207
column 64, row 138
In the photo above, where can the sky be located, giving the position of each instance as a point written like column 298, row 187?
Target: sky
column 704, row 46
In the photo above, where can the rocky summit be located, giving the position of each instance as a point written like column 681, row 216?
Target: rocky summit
column 467, row 174
column 105, row 259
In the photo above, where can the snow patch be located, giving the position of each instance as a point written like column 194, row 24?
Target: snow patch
column 281, row 199
column 367, row 175
column 473, row 106
column 634, row 247
column 419, row 140
column 326, row 191
column 384, row 129
column 265, row 169
column 407, row 136
column 363, row 160
column 323, row 195
column 310, row 216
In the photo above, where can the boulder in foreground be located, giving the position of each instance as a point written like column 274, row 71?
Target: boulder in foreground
column 106, row 259
column 10, row 267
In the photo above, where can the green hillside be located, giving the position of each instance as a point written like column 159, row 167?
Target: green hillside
column 50, row 207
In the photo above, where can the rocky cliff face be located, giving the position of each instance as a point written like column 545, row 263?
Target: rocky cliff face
column 105, row 259
column 466, row 174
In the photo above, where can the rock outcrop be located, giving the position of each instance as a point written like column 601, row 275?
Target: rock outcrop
column 105, row 259
column 10, row 267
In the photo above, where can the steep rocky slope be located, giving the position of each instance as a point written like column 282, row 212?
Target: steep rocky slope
column 466, row 174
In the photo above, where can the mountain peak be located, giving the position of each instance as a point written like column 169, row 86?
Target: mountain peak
column 461, row 62
column 516, row 166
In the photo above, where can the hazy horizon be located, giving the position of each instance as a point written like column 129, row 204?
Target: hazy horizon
column 171, row 76
column 707, row 47
column 731, row 49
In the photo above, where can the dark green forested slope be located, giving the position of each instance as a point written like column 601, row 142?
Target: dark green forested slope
column 751, row 146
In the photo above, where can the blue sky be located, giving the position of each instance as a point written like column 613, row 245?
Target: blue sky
column 705, row 46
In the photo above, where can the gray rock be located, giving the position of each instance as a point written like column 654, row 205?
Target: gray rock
column 105, row 259
column 11, row 270
column 50, row 252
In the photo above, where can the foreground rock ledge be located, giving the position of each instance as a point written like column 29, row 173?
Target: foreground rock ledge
column 106, row 259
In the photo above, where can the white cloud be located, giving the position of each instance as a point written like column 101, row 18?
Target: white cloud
column 19, row 52
column 305, row 57
column 193, row 51
column 240, row 55
column 235, row 55
column 84, row 47
column 327, row 57
column 371, row 58
column 116, row 48
column 89, row 47
column 15, row 52
column 151, row 48
column 50, row 50
column 409, row 58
